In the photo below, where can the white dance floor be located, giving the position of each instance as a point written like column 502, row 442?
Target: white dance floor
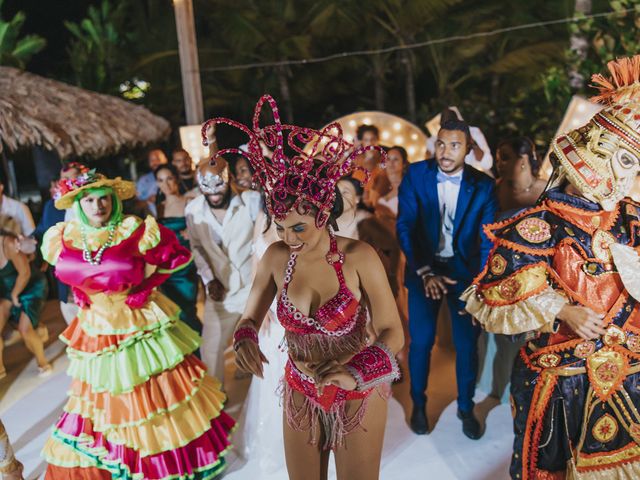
column 32, row 405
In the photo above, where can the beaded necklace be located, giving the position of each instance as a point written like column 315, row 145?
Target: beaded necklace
column 86, row 252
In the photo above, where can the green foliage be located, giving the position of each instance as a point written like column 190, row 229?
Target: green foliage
column 16, row 51
column 510, row 83
column 96, row 51
column 607, row 37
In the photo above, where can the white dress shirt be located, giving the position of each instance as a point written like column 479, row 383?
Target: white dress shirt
column 448, row 201
column 18, row 212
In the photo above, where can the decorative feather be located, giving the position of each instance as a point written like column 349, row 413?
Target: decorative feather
column 624, row 83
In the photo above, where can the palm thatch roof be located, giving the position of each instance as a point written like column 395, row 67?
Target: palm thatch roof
column 69, row 120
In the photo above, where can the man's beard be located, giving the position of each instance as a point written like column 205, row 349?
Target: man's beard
column 222, row 204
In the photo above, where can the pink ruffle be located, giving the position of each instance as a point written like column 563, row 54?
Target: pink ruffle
column 200, row 453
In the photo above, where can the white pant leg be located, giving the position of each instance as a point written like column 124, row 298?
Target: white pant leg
column 217, row 331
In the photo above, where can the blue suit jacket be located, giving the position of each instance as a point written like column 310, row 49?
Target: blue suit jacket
column 418, row 224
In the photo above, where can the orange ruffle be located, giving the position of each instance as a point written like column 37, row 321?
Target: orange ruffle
column 159, row 394
column 61, row 473
column 76, row 338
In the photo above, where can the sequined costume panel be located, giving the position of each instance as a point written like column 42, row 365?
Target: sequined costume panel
column 337, row 328
column 575, row 401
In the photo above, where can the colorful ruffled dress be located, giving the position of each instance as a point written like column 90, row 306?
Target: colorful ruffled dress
column 141, row 405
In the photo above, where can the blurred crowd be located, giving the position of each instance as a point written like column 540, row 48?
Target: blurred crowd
column 218, row 214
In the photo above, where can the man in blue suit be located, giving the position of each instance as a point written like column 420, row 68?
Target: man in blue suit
column 443, row 205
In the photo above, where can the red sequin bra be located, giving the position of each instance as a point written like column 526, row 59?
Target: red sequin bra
column 337, row 328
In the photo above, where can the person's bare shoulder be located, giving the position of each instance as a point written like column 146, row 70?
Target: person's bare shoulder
column 359, row 250
column 276, row 255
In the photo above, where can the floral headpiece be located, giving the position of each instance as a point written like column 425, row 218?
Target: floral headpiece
column 66, row 185
column 81, row 167
column 319, row 159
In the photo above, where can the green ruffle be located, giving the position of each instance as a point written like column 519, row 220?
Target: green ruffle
column 155, row 329
column 121, row 371
column 94, row 457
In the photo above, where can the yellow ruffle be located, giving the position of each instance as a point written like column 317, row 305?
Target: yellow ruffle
column 151, row 236
column 95, row 239
column 52, row 243
column 536, row 313
column 173, row 429
column 517, row 287
column 62, row 455
column 110, row 315
column 71, row 232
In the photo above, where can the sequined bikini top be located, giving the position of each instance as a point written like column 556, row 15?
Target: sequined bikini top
column 337, row 327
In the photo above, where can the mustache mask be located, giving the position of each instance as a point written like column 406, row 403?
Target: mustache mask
column 211, row 183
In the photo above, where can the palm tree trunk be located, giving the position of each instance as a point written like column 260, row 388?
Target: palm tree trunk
column 285, row 92
column 579, row 45
column 378, row 78
column 409, row 86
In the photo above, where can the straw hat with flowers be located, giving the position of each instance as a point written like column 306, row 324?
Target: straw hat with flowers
column 69, row 188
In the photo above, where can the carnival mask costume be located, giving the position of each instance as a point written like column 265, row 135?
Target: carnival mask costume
column 575, row 401
column 305, row 181
column 141, row 405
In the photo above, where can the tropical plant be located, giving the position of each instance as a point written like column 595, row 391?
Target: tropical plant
column 274, row 31
column 16, row 51
column 98, row 46
column 605, row 38
column 407, row 22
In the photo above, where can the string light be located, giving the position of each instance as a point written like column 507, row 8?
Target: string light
column 412, row 46
column 191, row 141
column 393, row 130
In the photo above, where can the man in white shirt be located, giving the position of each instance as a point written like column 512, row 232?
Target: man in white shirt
column 443, row 205
column 17, row 214
column 220, row 226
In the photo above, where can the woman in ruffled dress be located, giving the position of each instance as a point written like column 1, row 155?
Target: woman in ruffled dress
column 141, row 405
column 336, row 385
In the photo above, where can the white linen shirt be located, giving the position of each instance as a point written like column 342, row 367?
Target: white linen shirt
column 20, row 213
column 224, row 250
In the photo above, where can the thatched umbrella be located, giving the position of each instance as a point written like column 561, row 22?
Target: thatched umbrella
column 69, row 120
